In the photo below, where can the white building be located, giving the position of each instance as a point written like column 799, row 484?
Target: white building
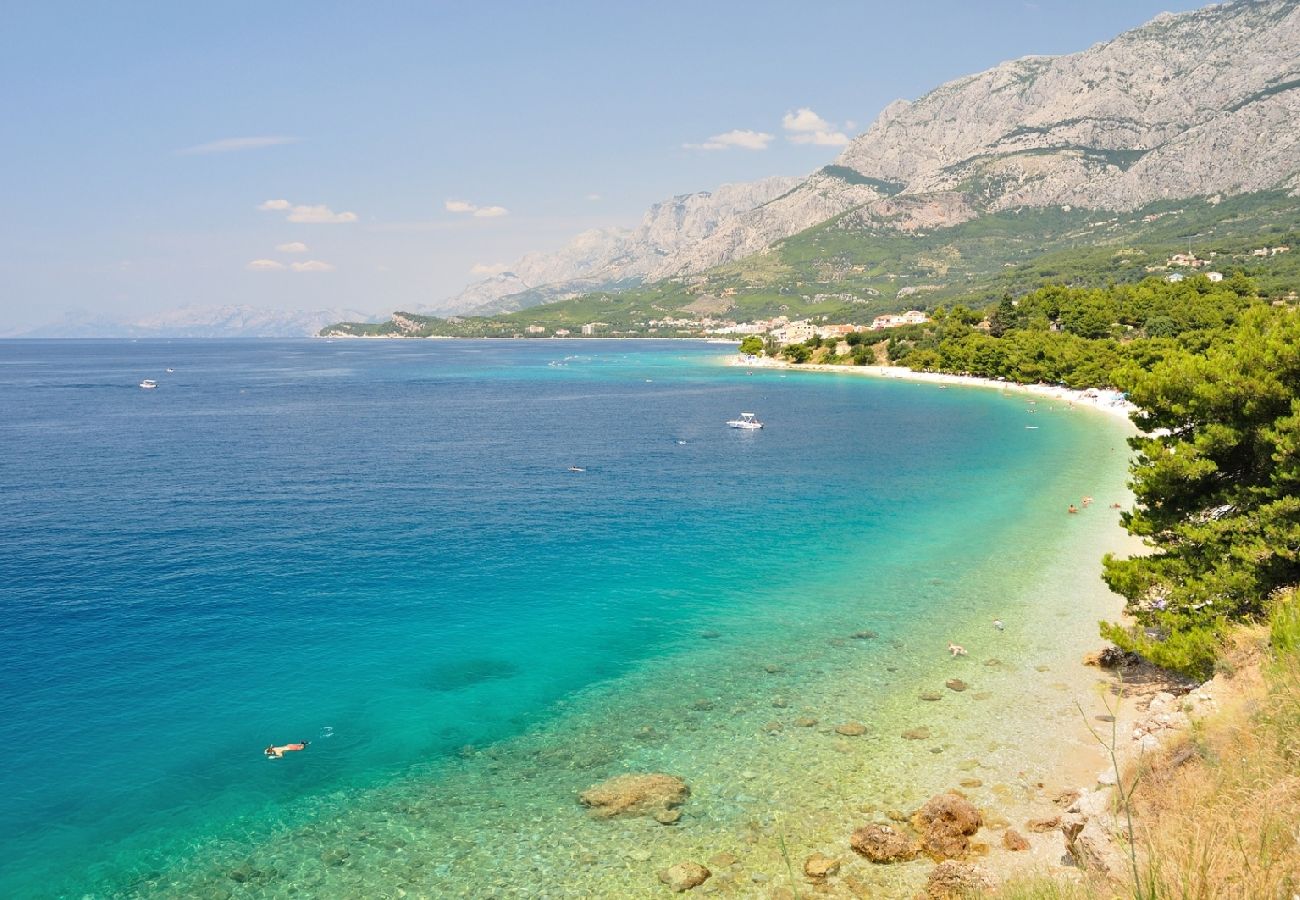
column 911, row 317
column 794, row 333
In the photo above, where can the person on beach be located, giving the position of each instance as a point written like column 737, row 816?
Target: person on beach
column 275, row 752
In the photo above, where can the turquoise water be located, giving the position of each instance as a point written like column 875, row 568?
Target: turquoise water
column 378, row 547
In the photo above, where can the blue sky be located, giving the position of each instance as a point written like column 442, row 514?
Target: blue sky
column 163, row 154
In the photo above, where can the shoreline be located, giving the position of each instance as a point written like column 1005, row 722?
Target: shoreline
column 1105, row 401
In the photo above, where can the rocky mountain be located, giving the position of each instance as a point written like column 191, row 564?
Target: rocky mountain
column 613, row 256
column 197, row 322
column 1193, row 104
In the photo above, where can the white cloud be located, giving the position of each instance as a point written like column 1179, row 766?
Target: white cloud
column 482, row 212
column 803, row 126
column 231, row 145
column 488, row 268
column 292, row 247
column 804, row 119
column 737, row 137
column 311, row 265
column 264, row 265
column 593, row 197
column 319, row 214
column 824, row 138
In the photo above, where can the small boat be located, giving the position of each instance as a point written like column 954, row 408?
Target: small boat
column 169, row 371
column 576, row 469
column 746, row 421
column 148, row 384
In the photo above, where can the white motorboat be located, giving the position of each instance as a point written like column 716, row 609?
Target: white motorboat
column 148, row 384
column 747, row 421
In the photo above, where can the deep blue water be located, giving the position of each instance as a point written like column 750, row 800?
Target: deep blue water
column 378, row 546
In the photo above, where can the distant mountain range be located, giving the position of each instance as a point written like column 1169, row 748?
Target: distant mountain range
column 1188, row 105
column 195, row 322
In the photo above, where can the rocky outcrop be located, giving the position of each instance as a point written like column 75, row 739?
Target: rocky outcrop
column 1092, row 840
column 945, row 825
column 611, row 257
column 653, row 794
column 883, row 844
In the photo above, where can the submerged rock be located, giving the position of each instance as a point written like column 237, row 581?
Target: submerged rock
column 723, row 860
column 956, row 881
column 668, row 816
column 819, row 866
column 635, row 795
column 917, row 734
column 865, row 635
column 684, row 876
column 956, row 684
column 805, row 722
column 931, row 696
column 945, row 824
column 883, row 844
column 851, row 729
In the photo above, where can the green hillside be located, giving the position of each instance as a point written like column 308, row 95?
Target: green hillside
column 855, row 267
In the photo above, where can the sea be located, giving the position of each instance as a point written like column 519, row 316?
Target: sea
column 479, row 577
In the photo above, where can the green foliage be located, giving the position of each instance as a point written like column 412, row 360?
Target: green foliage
column 752, row 345
column 1216, row 478
column 1284, row 623
column 797, row 353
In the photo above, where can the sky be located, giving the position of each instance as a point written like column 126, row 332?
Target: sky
column 381, row 156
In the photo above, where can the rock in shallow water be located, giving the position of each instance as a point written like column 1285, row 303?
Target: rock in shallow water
column 882, row 844
column 684, row 876
column 635, row 795
column 1014, row 840
column 945, row 824
column 851, row 729
column 820, row 866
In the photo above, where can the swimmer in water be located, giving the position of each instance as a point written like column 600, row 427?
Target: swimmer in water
column 274, row 752
column 997, row 623
column 1072, row 509
column 956, row 649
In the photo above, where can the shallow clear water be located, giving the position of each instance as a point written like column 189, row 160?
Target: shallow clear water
column 378, row 547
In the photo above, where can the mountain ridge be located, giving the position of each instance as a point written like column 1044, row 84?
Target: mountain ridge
column 1174, row 108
